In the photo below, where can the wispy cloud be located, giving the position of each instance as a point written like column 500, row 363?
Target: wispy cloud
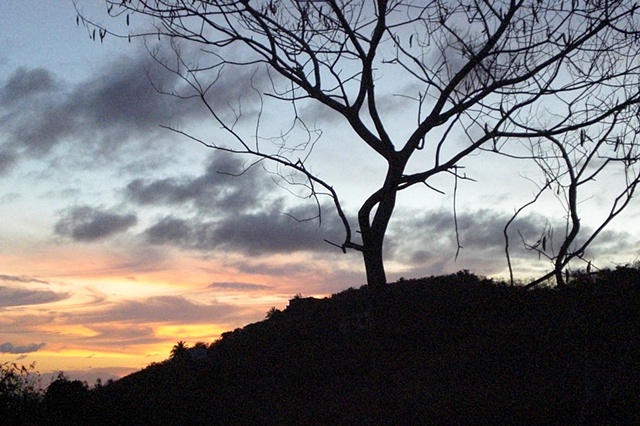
column 21, row 279
column 159, row 309
column 238, row 286
column 21, row 297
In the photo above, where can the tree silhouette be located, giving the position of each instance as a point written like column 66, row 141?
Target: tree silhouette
column 20, row 392
column 179, row 352
column 66, row 401
column 555, row 83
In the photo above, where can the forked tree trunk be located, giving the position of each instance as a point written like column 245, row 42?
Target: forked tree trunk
column 374, row 265
column 373, row 231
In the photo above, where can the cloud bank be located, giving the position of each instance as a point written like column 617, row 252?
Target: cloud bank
column 9, row 348
column 86, row 224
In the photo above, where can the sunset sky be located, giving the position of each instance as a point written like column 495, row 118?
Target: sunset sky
column 119, row 238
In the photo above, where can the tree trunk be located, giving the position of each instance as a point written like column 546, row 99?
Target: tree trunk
column 373, row 230
column 377, row 287
column 374, row 264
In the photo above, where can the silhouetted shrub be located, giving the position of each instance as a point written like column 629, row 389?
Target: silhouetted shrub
column 66, row 402
column 20, row 393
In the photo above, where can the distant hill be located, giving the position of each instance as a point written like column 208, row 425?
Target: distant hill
column 455, row 349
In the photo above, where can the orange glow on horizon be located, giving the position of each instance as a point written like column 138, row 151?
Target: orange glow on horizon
column 201, row 332
column 92, row 325
column 84, row 360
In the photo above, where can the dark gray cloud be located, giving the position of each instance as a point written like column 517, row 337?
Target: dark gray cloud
column 477, row 230
column 235, row 209
column 10, row 348
column 612, row 241
column 24, row 84
column 41, row 130
column 19, row 297
column 424, row 243
column 32, row 112
column 483, row 229
column 173, row 231
column 7, row 161
column 122, row 97
column 238, row 286
column 275, row 230
column 264, row 232
column 120, row 104
column 427, row 241
column 115, row 106
column 88, row 224
column 219, row 187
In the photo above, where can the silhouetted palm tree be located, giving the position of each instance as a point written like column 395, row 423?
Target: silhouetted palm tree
column 179, row 350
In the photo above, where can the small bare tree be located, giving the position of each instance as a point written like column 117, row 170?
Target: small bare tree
column 560, row 77
column 571, row 164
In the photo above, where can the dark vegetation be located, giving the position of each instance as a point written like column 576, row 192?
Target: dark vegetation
column 454, row 349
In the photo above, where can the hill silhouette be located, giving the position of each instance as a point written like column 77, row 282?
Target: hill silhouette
column 457, row 349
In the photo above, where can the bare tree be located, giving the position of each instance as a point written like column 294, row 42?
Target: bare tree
column 572, row 163
column 481, row 76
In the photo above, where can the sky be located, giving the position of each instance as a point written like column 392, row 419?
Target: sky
column 120, row 238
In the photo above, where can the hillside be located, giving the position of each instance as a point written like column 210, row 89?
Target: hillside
column 455, row 349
